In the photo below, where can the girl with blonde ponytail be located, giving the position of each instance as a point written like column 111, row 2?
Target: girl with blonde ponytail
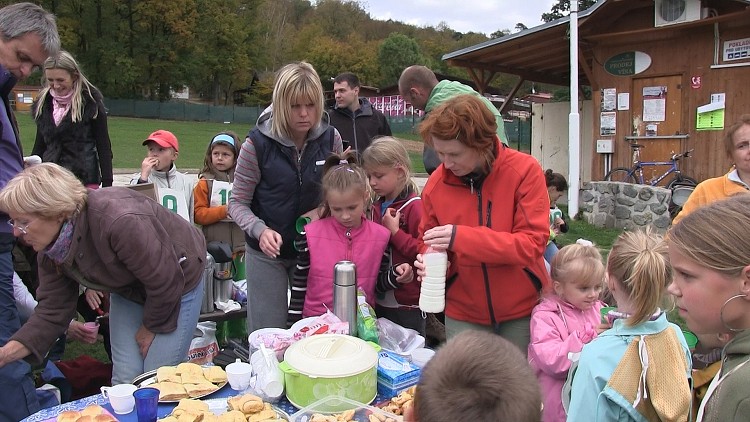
column 639, row 368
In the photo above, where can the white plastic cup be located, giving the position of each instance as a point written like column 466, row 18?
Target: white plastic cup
column 435, row 258
column 436, row 272
column 239, row 374
column 432, row 293
column 434, row 282
column 121, row 398
column 431, row 305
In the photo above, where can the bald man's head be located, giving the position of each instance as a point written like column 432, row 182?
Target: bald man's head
column 416, row 84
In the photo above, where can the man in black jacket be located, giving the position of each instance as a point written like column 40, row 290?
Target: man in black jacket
column 356, row 119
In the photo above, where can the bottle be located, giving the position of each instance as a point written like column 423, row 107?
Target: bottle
column 432, row 291
column 345, row 294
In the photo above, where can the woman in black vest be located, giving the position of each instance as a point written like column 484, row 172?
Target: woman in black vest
column 277, row 180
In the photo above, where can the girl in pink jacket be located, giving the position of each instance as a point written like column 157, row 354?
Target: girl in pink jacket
column 565, row 320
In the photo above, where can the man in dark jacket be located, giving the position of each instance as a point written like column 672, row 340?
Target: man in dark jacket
column 355, row 118
column 28, row 35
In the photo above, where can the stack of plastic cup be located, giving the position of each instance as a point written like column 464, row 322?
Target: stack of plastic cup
column 432, row 293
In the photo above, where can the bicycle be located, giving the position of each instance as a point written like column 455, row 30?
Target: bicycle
column 634, row 174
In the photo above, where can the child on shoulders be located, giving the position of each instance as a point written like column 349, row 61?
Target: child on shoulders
column 565, row 320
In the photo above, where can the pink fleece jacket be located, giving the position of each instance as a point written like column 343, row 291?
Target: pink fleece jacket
column 558, row 328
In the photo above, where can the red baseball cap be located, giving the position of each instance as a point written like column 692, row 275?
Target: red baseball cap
column 164, row 138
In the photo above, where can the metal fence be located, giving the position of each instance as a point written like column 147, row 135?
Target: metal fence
column 517, row 130
column 183, row 111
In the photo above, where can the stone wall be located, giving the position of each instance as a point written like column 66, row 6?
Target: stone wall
column 625, row 205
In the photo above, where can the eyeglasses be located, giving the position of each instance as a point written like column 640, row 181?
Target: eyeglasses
column 21, row 227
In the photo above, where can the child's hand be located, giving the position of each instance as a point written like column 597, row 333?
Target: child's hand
column 405, row 274
column 587, row 334
column 148, row 164
column 94, row 298
column 420, row 267
column 391, row 220
column 559, row 222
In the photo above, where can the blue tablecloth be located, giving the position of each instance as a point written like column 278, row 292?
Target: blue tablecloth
column 164, row 408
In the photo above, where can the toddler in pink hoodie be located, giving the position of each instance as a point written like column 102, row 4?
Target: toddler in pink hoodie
column 565, row 320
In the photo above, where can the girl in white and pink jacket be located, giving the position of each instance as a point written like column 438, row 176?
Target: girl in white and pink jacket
column 565, row 320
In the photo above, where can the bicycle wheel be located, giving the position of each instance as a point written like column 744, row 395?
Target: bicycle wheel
column 681, row 181
column 620, row 174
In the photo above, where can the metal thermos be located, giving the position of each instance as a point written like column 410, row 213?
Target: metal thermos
column 345, row 294
column 208, row 285
column 223, row 270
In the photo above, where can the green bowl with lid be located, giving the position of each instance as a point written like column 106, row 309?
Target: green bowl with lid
column 327, row 365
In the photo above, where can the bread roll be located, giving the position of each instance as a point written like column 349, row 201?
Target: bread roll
column 68, row 416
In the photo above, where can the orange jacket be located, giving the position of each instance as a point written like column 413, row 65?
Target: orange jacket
column 501, row 229
column 204, row 213
column 708, row 191
column 217, row 224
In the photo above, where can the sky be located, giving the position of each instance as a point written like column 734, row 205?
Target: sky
column 484, row 16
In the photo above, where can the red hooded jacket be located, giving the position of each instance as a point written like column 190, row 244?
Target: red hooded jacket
column 501, row 229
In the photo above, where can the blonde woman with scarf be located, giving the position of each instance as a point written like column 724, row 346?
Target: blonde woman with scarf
column 72, row 123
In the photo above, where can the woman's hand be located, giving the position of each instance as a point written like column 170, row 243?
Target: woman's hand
column 77, row 331
column 391, row 220
column 94, row 298
column 12, row 351
column 144, row 338
column 405, row 274
column 270, row 243
column 439, row 237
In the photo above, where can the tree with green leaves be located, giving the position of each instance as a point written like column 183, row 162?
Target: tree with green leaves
column 395, row 54
column 562, row 8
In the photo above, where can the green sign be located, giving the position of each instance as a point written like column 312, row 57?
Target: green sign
column 628, row 63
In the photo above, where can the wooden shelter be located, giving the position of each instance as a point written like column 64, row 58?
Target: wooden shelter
column 667, row 74
column 22, row 96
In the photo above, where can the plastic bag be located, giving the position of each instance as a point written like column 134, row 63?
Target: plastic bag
column 268, row 382
column 367, row 327
column 328, row 323
column 398, row 339
column 204, row 347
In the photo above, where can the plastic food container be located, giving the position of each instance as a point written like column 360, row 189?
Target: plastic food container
column 327, row 365
column 421, row 356
column 362, row 411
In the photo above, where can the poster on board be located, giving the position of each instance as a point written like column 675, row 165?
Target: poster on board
column 607, row 123
column 654, row 103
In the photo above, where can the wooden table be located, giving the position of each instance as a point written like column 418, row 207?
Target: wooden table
column 219, row 316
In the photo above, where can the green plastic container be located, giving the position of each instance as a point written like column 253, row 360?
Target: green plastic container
column 328, row 365
column 605, row 310
column 239, row 266
column 690, row 338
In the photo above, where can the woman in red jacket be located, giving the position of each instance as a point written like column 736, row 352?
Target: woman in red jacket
column 487, row 205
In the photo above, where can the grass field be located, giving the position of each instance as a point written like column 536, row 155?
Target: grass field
column 127, row 134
